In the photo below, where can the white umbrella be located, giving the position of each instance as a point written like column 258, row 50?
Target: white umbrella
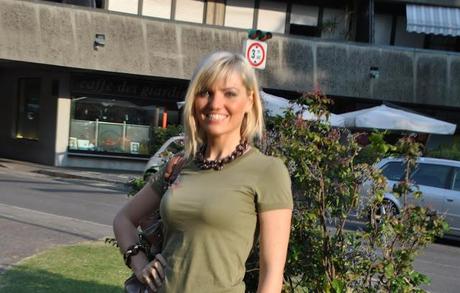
column 276, row 106
column 384, row 117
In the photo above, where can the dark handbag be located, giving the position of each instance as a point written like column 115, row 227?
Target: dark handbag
column 151, row 229
column 133, row 285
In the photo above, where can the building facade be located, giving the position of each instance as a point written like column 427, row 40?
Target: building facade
column 84, row 82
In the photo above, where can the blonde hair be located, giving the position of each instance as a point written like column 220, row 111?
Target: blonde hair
column 221, row 65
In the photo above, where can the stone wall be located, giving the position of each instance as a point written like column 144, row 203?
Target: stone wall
column 63, row 35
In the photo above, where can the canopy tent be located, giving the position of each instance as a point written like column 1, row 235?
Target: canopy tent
column 276, row 106
column 384, row 117
column 433, row 20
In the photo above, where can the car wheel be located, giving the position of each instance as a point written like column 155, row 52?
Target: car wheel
column 387, row 208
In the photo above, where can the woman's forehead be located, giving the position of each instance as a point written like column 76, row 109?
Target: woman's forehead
column 224, row 80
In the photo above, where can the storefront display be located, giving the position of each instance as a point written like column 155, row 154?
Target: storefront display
column 107, row 121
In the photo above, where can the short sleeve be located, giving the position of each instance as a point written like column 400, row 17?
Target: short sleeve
column 274, row 187
column 157, row 181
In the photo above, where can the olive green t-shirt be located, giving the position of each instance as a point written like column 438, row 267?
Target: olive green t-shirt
column 210, row 220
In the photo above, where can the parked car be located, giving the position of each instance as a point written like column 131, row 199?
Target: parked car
column 437, row 179
column 172, row 146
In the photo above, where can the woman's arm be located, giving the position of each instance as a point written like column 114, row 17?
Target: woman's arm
column 125, row 223
column 274, row 239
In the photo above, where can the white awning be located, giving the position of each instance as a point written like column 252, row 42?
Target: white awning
column 433, row 20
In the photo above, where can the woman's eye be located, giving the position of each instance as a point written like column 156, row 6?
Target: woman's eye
column 230, row 94
column 204, row 94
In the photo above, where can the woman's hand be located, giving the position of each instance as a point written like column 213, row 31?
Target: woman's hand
column 153, row 273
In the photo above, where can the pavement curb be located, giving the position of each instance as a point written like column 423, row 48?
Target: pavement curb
column 74, row 176
column 105, row 176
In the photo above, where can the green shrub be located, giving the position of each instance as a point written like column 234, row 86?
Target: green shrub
column 450, row 152
column 160, row 135
column 327, row 178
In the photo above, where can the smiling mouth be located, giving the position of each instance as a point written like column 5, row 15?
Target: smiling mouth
column 215, row 117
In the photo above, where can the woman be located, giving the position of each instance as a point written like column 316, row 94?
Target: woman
column 225, row 189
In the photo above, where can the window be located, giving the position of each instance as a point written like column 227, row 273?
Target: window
column 404, row 38
column 333, row 24
column 382, row 29
column 393, row 171
column 431, row 175
column 126, row 6
column 272, row 16
column 304, row 20
column 116, row 125
column 456, row 185
column 157, row 8
column 189, row 10
column 173, row 148
column 85, row 3
column 239, row 13
column 445, row 43
column 28, row 119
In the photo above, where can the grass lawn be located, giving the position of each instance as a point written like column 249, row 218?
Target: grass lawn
column 86, row 267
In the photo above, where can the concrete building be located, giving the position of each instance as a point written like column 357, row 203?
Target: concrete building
column 82, row 83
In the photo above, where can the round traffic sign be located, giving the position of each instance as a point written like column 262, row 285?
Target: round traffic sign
column 255, row 54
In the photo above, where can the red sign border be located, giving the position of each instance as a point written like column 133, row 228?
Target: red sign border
column 249, row 50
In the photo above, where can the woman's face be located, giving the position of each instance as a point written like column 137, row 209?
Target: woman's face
column 220, row 110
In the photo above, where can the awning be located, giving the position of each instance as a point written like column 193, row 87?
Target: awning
column 433, row 20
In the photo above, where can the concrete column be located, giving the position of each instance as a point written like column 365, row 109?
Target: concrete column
column 62, row 123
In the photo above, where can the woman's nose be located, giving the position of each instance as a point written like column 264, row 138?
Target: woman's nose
column 216, row 101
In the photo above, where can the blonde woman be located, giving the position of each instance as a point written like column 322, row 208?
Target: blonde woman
column 225, row 190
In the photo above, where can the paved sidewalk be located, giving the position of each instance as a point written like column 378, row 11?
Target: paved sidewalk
column 108, row 176
column 30, row 231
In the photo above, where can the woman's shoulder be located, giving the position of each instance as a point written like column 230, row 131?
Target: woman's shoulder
column 267, row 162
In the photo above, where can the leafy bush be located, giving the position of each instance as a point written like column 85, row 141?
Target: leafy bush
column 451, row 152
column 327, row 180
column 161, row 135
column 374, row 151
column 134, row 185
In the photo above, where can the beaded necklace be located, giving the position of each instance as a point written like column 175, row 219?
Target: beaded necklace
column 205, row 164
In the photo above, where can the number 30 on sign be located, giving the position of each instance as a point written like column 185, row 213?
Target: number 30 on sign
column 256, row 53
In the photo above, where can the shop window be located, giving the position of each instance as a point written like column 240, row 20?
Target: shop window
column 304, row 20
column 28, row 119
column 126, row 6
column 190, row 10
column 239, row 14
column 157, row 8
column 116, row 125
column 272, row 16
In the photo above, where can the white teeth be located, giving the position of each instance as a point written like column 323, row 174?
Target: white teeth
column 215, row 116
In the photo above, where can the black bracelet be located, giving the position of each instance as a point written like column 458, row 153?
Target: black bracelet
column 132, row 250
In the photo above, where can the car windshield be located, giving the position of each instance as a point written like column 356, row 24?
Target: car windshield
column 175, row 146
